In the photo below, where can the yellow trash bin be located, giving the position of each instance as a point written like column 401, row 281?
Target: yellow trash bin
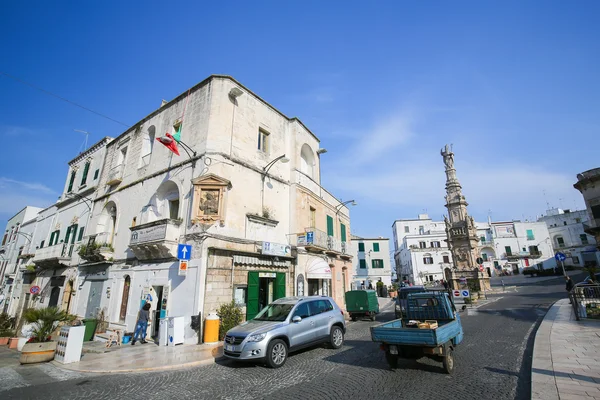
column 211, row 328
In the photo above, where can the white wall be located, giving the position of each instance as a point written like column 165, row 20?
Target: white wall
column 370, row 273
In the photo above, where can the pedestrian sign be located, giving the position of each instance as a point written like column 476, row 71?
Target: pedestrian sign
column 560, row 256
column 183, row 266
column 465, row 293
column 456, row 293
column 184, row 251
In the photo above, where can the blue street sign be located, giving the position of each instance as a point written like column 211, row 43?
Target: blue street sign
column 465, row 293
column 560, row 256
column 184, row 251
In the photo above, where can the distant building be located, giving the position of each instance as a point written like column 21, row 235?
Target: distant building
column 569, row 237
column 421, row 250
column 371, row 259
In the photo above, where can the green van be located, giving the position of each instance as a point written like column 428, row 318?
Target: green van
column 362, row 303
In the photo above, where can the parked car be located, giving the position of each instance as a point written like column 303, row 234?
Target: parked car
column 530, row 271
column 286, row 325
column 402, row 296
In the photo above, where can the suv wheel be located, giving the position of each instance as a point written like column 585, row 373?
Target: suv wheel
column 336, row 337
column 277, row 352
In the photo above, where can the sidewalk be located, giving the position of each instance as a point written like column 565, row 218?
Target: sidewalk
column 146, row 357
column 566, row 356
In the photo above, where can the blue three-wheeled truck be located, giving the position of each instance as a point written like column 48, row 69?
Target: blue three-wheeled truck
column 430, row 328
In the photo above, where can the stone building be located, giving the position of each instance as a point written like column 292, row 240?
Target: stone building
column 588, row 183
column 244, row 192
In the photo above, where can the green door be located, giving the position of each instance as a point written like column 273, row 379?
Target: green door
column 279, row 286
column 252, row 305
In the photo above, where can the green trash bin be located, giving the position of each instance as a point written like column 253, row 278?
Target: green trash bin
column 90, row 329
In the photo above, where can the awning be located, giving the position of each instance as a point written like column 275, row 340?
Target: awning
column 262, row 261
column 318, row 269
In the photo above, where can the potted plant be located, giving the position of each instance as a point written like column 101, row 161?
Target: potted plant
column 7, row 324
column 41, row 348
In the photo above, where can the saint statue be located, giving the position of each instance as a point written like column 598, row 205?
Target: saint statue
column 448, row 157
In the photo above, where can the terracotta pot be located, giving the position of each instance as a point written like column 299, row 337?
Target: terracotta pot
column 3, row 341
column 13, row 342
column 37, row 352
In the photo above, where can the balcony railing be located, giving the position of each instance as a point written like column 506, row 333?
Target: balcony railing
column 522, row 254
column 155, row 240
column 319, row 240
column 486, row 243
column 97, row 247
column 115, row 175
column 56, row 254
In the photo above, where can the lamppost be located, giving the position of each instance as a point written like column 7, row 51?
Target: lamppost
column 339, row 206
column 284, row 160
column 83, row 198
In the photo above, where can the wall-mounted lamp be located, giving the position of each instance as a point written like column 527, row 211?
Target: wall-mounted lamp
column 321, row 151
column 235, row 92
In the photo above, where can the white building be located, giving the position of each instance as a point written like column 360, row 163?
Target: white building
column 371, row 259
column 244, row 192
column 421, row 252
column 49, row 258
column 16, row 236
column 568, row 236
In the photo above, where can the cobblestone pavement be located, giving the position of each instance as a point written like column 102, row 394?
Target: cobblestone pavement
column 493, row 362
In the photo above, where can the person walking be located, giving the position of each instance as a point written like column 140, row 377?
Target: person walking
column 569, row 287
column 142, row 324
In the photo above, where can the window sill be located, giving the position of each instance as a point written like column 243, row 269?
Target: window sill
column 262, row 220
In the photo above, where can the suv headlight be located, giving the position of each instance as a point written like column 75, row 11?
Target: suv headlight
column 256, row 337
column 398, row 308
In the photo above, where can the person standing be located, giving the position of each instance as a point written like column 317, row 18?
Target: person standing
column 569, row 286
column 142, row 324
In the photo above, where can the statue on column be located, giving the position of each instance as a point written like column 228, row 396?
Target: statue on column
column 448, row 157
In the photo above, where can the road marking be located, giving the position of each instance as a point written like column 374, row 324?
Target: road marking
column 11, row 379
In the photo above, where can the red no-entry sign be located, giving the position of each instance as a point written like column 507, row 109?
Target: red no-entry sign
column 456, row 293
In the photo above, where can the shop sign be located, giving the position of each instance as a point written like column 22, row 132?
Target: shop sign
column 267, row 274
column 276, row 249
column 95, row 275
column 149, row 234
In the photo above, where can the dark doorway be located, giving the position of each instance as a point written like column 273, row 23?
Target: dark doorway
column 156, row 311
column 54, row 294
column 125, row 299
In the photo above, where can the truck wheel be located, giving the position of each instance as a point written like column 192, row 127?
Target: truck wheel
column 373, row 317
column 277, row 352
column 392, row 359
column 353, row 317
column 336, row 337
column 448, row 361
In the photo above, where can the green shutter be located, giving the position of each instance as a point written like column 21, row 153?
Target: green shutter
column 343, row 232
column 279, row 286
column 508, row 250
column 96, row 174
column 80, row 234
column 51, row 239
column 361, row 247
column 252, row 306
column 375, row 246
column 68, row 234
column 74, row 231
column 363, row 263
column 70, row 189
column 85, row 173
column 329, row 225
column 530, row 234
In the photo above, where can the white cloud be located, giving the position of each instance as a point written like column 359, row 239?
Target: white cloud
column 12, row 183
column 18, row 131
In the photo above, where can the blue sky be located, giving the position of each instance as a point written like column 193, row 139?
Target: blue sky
column 514, row 85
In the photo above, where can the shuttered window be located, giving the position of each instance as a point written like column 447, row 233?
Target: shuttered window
column 329, row 226
column 85, row 173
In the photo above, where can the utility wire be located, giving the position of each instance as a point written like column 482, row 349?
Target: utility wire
column 63, row 99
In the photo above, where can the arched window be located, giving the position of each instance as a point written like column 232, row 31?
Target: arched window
column 307, row 162
column 164, row 203
column 125, row 298
column 107, row 224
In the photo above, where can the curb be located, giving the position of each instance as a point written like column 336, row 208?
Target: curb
column 543, row 385
column 216, row 353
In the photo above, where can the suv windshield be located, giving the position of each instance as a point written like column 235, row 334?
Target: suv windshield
column 274, row 312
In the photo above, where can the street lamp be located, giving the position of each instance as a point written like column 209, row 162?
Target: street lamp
column 80, row 197
column 283, row 159
column 339, row 206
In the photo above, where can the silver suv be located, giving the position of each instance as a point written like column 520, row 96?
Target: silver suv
column 286, row 325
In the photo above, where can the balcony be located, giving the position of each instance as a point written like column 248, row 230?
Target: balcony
column 155, row 240
column 316, row 240
column 486, row 243
column 522, row 254
column 53, row 256
column 593, row 227
column 98, row 248
column 115, row 175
